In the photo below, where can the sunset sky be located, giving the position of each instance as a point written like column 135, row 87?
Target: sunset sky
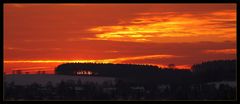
column 42, row 36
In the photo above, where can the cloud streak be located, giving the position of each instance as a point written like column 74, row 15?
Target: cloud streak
column 32, row 49
column 221, row 51
column 30, row 68
column 114, row 60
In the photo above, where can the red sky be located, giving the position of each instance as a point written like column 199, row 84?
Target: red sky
column 41, row 36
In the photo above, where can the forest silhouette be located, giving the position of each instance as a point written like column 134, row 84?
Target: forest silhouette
column 218, row 70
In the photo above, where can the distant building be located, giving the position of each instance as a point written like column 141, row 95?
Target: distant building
column 84, row 72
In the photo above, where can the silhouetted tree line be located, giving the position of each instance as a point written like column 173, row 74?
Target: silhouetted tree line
column 209, row 71
column 135, row 82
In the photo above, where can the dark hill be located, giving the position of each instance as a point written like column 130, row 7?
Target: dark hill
column 210, row 71
column 217, row 70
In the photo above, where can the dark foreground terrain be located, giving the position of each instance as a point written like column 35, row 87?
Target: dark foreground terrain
column 213, row 80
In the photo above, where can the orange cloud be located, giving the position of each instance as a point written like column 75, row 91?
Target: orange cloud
column 221, row 51
column 156, row 26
